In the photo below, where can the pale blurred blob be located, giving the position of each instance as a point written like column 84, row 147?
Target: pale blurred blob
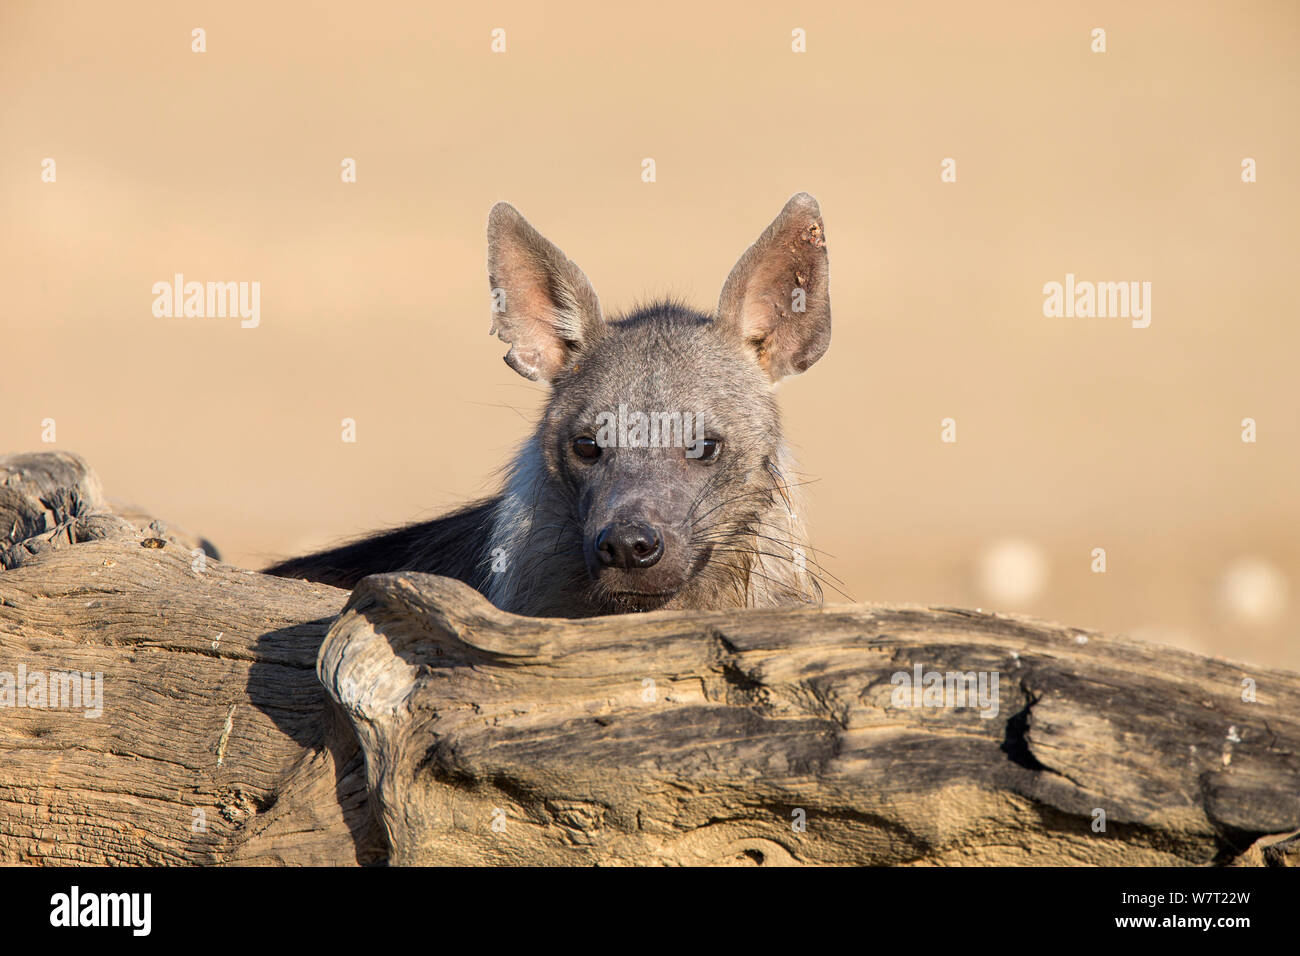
column 1253, row 591
column 1011, row 571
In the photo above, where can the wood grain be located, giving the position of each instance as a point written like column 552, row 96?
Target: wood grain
column 467, row 714
column 249, row 719
column 216, row 743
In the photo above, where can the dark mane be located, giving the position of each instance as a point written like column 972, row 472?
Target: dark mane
column 452, row 545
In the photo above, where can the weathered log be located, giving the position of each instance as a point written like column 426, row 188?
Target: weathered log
column 779, row 736
column 216, row 744
column 756, row 722
column 53, row 500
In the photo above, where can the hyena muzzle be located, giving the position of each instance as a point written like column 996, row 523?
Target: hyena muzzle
column 658, row 476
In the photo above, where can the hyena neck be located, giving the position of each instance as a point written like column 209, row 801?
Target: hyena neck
column 535, row 546
column 776, row 563
column 534, row 563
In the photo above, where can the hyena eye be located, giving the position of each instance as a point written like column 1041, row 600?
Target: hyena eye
column 586, row 448
column 705, row 450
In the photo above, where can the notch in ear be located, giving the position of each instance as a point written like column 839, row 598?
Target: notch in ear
column 542, row 304
column 777, row 298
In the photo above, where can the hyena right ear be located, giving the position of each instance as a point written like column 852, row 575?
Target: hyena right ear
column 542, row 304
column 777, row 298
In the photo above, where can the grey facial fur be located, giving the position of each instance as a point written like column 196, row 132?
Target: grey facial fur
column 584, row 526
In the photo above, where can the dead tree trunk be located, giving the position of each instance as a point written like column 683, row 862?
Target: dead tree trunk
column 216, row 743
column 442, row 730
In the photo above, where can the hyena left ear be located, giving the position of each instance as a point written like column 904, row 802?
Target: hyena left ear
column 777, row 298
column 542, row 303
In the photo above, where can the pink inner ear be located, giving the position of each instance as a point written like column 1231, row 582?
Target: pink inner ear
column 529, row 321
column 764, row 304
column 524, row 361
column 535, row 325
column 792, row 257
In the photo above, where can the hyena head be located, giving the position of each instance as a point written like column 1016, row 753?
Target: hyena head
column 657, row 476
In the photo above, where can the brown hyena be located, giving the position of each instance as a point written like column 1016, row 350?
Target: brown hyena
column 658, row 476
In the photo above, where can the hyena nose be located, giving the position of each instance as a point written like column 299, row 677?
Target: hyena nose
column 623, row 545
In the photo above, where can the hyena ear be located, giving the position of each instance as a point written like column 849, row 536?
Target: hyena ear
column 777, row 298
column 542, row 304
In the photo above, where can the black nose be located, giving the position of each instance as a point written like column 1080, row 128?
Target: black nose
column 623, row 545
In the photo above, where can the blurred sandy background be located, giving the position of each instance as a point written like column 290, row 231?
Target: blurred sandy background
column 1073, row 433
